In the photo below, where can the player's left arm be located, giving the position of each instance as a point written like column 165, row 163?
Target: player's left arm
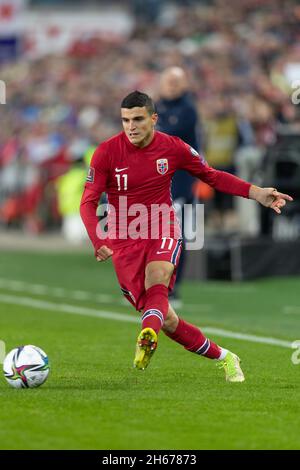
column 228, row 183
column 269, row 197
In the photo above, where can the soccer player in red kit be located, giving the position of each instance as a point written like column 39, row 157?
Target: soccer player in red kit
column 135, row 169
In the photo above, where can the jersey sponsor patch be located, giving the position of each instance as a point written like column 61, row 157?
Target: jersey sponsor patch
column 162, row 166
column 91, row 175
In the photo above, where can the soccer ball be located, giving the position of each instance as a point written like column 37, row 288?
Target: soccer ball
column 26, row 367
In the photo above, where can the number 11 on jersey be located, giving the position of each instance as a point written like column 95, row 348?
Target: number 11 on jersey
column 119, row 181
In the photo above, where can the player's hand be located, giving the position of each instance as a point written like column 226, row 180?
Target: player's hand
column 103, row 253
column 269, row 197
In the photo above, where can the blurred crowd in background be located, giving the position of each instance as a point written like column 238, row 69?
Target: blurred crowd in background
column 241, row 59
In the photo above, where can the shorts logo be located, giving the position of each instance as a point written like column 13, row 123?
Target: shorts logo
column 162, row 166
column 91, row 175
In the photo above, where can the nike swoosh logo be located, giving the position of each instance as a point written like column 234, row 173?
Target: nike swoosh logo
column 160, row 252
column 121, row 169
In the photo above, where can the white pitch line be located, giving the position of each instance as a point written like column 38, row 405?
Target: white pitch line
column 80, row 295
column 246, row 337
column 75, row 310
column 66, row 308
column 59, row 292
column 39, row 289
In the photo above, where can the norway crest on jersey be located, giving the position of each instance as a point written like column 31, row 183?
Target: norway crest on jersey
column 162, row 166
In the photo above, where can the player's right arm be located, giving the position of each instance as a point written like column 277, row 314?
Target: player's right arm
column 96, row 184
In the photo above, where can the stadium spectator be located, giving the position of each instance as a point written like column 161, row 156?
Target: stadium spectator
column 69, row 190
column 136, row 167
column 178, row 116
column 221, row 141
column 245, row 50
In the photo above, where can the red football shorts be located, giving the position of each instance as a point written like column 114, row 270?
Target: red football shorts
column 130, row 265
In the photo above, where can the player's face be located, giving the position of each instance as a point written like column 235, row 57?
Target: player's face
column 138, row 125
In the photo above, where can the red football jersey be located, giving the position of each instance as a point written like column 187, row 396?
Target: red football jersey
column 137, row 180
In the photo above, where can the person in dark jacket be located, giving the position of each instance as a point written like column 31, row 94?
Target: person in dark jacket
column 178, row 116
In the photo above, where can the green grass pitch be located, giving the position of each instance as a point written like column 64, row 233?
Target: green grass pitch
column 94, row 399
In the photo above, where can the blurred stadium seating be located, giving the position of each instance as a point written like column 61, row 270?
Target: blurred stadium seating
column 67, row 65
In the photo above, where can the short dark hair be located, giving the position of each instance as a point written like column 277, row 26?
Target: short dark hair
column 138, row 99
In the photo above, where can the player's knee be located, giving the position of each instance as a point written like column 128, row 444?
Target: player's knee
column 157, row 276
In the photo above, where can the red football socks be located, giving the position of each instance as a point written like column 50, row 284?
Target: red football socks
column 156, row 307
column 193, row 340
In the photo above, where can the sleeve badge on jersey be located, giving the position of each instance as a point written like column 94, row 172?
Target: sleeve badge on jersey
column 162, row 166
column 196, row 154
column 91, row 175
